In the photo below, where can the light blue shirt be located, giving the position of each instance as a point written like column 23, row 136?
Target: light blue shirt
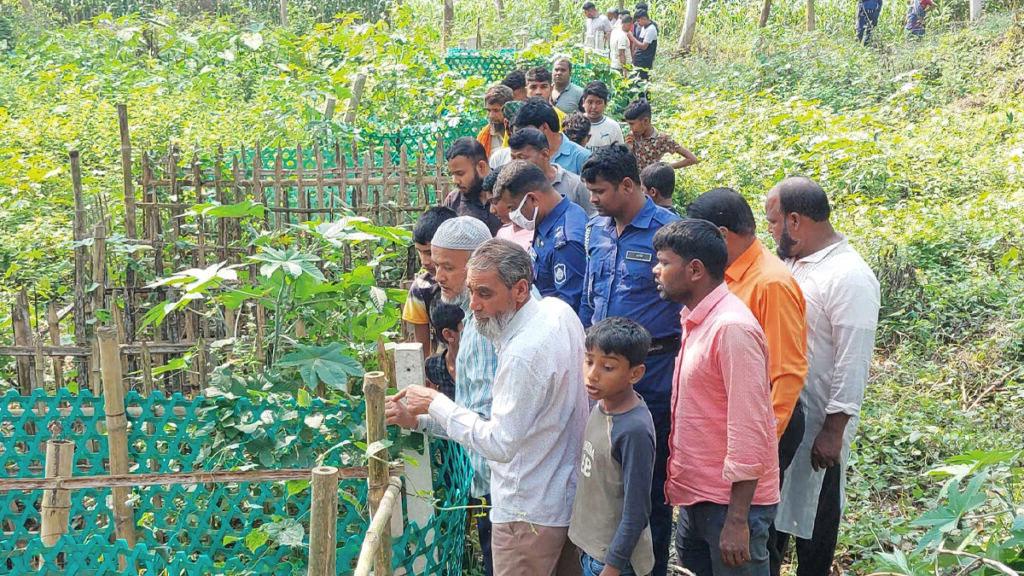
column 571, row 156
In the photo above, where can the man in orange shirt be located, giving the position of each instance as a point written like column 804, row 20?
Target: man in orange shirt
column 766, row 286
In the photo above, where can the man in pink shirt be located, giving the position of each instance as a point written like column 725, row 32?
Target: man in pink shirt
column 723, row 467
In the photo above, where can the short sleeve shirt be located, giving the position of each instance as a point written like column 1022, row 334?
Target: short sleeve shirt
column 604, row 133
column 559, row 262
column 619, row 41
column 464, row 206
column 651, row 149
column 421, row 295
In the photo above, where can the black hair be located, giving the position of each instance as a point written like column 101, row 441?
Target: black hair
column 528, row 136
column 805, row 197
column 538, row 74
column 597, row 89
column 640, row 6
column 640, row 13
column 624, row 17
column 488, row 184
column 622, row 336
column 693, row 239
column 428, row 222
column 466, row 146
column 566, row 59
column 519, row 178
column 613, row 163
column 576, row 127
column 444, row 315
column 536, row 112
column 637, row 109
column 724, row 207
column 661, row 177
column 516, row 80
column 589, row 6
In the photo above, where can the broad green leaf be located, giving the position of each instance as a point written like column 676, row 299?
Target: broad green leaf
column 296, row 486
column 302, row 398
column 255, row 539
column 327, row 364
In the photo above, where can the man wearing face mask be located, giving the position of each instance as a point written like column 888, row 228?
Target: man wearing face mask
column 531, row 145
column 559, row 262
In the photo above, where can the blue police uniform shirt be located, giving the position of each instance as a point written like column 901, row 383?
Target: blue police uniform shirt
column 620, row 282
column 559, row 262
column 571, row 156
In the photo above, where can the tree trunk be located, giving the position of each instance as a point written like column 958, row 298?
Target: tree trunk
column 446, row 24
column 810, row 16
column 766, row 10
column 499, row 5
column 283, row 10
column 553, row 10
column 690, row 26
column 975, row 10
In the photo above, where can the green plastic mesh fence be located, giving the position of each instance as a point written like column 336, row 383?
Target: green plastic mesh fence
column 203, row 528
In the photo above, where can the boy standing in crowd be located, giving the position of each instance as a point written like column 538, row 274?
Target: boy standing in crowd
column 613, row 494
column 603, row 130
column 648, row 144
column 446, row 321
column 659, row 182
column 424, row 289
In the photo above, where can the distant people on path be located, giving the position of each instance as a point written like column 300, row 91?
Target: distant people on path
column 494, row 135
column 650, row 145
column 565, row 95
column 516, row 81
column 658, row 181
column 916, row 14
column 842, row 296
column 612, row 14
column 867, row 18
column 597, row 27
column 531, row 144
column 534, row 433
column 645, row 43
column 467, row 165
column 620, row 282
column 424, row 290
column 603, row 130
column 558, row 225
column 620, row 55
column 540, row 114
column 613, row 494
column 724, row 466
column 576, row 127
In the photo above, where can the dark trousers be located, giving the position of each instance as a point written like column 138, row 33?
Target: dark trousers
column 482, row 517
column 788, row 444
column 867, row 18
column 661, row 513
column 700, row 530
column 814, row 557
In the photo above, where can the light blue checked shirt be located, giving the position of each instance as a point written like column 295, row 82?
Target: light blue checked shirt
column 474, row 376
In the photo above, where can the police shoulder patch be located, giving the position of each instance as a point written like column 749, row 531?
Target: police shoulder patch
column 559, row 274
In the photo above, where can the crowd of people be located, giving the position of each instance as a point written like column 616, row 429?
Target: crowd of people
column 625, row 377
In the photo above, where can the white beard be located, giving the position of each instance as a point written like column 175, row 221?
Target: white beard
column 492, row 328
column 462, row 300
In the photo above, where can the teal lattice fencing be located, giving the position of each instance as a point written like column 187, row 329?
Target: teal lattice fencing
column 202, row 528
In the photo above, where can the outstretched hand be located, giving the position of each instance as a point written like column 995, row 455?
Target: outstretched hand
column 403, row 408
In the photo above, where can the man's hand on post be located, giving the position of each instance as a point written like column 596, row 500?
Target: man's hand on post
column 403, row 408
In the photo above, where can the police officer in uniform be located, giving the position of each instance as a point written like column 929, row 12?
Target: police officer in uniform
column 559, row 262
column 619, row 281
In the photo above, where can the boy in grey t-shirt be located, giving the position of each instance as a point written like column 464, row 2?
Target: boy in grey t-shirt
column 612, row 508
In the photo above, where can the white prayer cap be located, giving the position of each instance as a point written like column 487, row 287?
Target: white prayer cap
column 461, row 233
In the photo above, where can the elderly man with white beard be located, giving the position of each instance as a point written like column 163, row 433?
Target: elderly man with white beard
column 534, row 433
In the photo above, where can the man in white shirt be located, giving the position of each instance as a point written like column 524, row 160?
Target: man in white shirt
column 621, row 50
column 603, row 130
column 843, row 299
column 535, row 431
column 598, row 27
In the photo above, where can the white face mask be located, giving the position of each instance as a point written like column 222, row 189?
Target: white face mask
column 517, row 217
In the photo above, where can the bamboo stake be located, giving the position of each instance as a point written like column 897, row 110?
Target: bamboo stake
column 81, row 337
column 374, row 386
column 117, row 430
column 323, row 522
column 56, row 505
column 53, row 324
column 377, row 542
column 22, row 337
column 353, row 101
column 99, row 256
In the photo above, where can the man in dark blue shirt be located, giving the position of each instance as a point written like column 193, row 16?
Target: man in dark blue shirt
column 620, row 282
column 559, row 262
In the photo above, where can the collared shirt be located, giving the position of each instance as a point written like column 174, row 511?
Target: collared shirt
column 422, row 293
column 723, row 429
column 559, row 262
column 843, row 298
column 605, row 132
column 650, row 149
column 520, row 236
column 472, row 206
column 620, row 282
column 568, row 100
column 534, row 434
column 766, row 286
column 572, row 187
column 475, row 367
column 570, row 155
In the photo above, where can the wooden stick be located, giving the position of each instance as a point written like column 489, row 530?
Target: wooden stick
column 126, row 171
column 377, row 543
column 56, row 505
column 81, row 335
column 53, row 322
column 22, row 337
column 353, row 101
column 323, row 522
column 127, row 349
column 99, row 266
column 117, row 430
column 999, row 566
column 374, row 386
column 175, row 478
